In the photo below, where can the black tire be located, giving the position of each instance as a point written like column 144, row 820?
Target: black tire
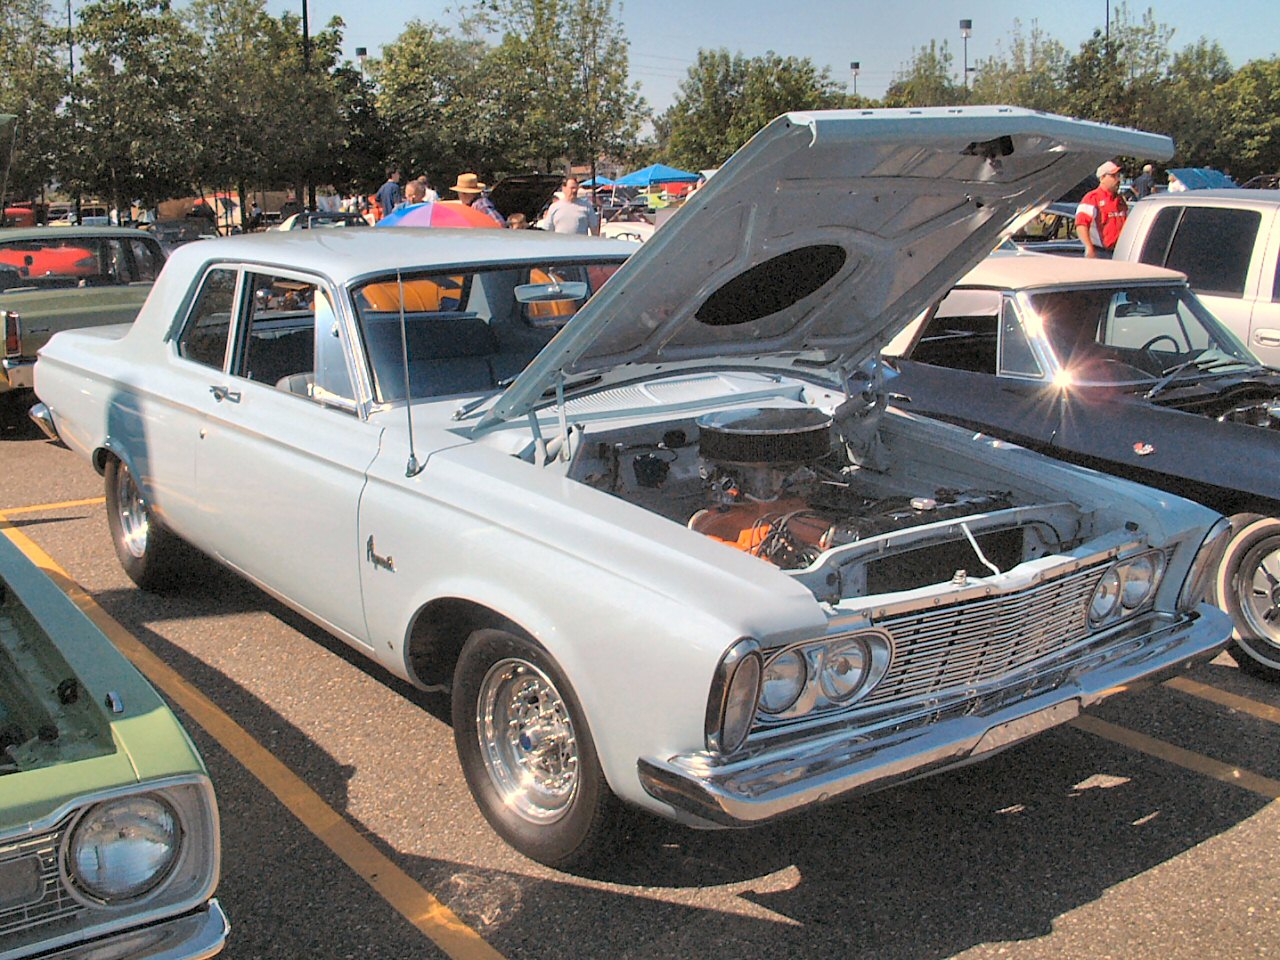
column 151, row 555
column 1248, row 588
column 569, row 817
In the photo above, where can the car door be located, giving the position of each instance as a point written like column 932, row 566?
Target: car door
column 974, row 365
column 283, row 449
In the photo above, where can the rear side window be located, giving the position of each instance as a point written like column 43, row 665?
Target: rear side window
column 1211, row 246
column 204, row 338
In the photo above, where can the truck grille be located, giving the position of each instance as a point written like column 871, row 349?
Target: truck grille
column 971, row 644
column 31, row 890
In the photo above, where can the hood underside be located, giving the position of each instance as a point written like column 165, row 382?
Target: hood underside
column 828, row 231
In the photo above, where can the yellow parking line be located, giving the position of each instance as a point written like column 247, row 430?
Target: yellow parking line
column 1196, row 762
column 1263, row 711
column 48, row 507
column 400, row 890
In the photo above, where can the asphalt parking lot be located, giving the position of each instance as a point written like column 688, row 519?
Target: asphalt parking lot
column 1149, row 828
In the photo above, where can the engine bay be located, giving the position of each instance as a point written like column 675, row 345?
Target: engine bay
column 778, row 483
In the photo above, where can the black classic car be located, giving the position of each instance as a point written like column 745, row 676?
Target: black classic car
column 1116, row 366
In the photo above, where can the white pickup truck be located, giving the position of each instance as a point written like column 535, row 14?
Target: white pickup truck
column 1227, row 242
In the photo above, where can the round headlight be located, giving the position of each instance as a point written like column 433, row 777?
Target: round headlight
column 740, row 703
column 783, row 681
column 124, row 848
column 844, row 668
column 1106, row 598
column 1139, row 581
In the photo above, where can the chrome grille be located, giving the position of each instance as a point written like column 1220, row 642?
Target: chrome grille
column 54, row 902
column 971, row 644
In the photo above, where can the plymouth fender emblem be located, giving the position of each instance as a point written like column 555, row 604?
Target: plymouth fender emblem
column 1142, row 449
column 386, row 563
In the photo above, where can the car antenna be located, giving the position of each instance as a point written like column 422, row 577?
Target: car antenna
column 412, row 468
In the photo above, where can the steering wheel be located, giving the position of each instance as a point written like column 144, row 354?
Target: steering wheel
column 1146, row 347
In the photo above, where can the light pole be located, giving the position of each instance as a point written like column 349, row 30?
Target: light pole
column 361, row 54
column 966, row 28
column 855, row 67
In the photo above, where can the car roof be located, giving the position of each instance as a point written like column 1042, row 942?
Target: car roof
column 1022, row 270
column 1239, row 196
column 344, row 255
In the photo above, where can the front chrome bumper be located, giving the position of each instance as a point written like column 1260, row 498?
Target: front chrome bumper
column 794, row 774
column 192, row 936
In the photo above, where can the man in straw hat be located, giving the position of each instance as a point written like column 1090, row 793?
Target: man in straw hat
column 471, row 192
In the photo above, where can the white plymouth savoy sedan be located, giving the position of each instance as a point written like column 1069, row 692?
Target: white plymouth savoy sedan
column 643, row 512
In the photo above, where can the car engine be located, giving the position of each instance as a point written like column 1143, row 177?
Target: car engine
column 776, row 483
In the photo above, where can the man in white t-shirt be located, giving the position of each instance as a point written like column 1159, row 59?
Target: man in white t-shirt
column 572, row 214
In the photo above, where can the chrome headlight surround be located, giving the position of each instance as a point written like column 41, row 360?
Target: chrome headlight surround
column 185, row 883
column 1198, row 585
column 734, row 697
column 1126, row 587
column 839, row 671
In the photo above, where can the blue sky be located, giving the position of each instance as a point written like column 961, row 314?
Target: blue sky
column 666, row 35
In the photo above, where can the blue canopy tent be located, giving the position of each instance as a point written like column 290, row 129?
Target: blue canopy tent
column 657, row 173
column 597, row 182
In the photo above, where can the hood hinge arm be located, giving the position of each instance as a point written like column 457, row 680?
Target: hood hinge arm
column 539, row 442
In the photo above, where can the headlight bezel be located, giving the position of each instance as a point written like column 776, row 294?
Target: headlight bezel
column 1117, row 581
column 194, row 876
column 1197, row 585
column 743, row 654
column 89, row 889
column 816, row 698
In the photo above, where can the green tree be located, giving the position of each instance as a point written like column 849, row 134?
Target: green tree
column 1025, row 75
column 33, row 84
column 1250, row 133
column 559, row 80
column 131, row 111
column 726, row 98
column 927, row 80
column 430, row 95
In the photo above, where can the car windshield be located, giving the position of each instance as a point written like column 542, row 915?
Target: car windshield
column 466, row 331
column 80, row 261
column 1136, row 334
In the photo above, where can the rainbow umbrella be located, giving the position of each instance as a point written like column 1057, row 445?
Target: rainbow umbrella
column 443, row 213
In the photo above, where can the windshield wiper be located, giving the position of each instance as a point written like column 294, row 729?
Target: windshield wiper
column 1202, row 364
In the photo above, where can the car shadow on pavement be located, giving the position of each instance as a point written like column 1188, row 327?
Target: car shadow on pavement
column 992, row 852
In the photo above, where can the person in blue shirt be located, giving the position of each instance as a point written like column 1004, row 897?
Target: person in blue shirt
column 389, row 194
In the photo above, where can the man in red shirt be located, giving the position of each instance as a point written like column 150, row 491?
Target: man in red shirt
column 1101, row 213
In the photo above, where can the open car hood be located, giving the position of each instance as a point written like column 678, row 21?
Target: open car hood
column 825, row 234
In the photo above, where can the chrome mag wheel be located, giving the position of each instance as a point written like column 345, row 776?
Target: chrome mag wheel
column 135, row 524
column 1259, row 591
column 527, row 741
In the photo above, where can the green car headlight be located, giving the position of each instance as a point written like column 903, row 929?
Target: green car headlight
column 1125, row 588
column 122, row 849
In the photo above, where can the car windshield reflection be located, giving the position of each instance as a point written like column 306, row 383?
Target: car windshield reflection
column 1138, row 334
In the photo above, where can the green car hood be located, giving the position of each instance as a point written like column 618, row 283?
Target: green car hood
column 75, row 716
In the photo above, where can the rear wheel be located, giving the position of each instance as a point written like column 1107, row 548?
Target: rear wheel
column 1249, row 590
column 526, row 752
column 150, row 554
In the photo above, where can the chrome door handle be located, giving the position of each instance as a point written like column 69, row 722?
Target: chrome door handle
column 1267, row 338
column 221, row 393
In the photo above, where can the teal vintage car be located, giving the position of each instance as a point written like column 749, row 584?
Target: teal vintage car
column 63, row 278
column 109, row 843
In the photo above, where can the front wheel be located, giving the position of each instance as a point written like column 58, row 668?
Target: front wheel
column 150, row 554
column 1249, row 590
column 527, row 754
